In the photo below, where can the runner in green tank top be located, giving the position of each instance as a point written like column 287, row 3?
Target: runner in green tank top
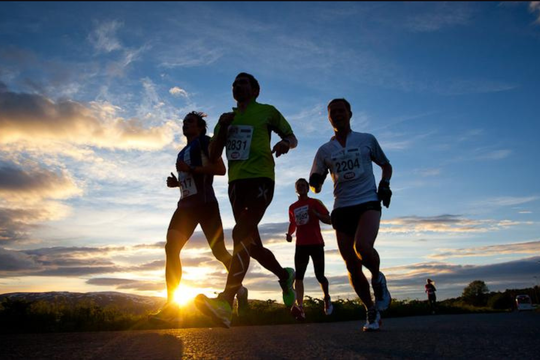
column 245, row 134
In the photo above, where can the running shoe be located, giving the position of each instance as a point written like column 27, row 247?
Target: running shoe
column 217, row 309
column 373, row 320
column 298, row 312
column 289, row 295
column 242, row 297
column 169, row 314
column 328, row 307
column 382, row 295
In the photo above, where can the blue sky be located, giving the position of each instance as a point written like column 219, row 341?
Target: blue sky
column 92, row 95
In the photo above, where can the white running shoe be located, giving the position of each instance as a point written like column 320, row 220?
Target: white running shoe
column 242, row 297
column 328, row 307
column 382, row 295
column 217, row 309
column 373, row 320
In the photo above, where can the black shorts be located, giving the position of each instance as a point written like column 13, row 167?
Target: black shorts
column 346, row 219
column 251, row 195
column 301, row 260
column 186, row 219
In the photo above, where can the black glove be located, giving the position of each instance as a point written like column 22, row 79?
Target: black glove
column 384, row 192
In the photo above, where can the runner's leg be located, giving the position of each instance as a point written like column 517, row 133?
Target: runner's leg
column 301, row 260
column 318, row 266
column 180, row 230
column 354, row 266
column 364, row 239
column 249, row 202
column 213, row 230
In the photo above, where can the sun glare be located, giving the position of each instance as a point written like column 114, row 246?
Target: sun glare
column 185, row 294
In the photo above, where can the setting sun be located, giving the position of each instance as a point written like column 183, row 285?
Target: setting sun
column 185, row 294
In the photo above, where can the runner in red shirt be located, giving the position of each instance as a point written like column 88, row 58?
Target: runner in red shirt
column 304, row 217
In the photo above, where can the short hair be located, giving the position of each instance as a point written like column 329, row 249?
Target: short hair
column 200, row 121
column 253, row 82
column 301, row 179
column 347, row 104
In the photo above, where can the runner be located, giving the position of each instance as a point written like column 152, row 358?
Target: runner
column 245, row 133
column 357, row 209
column 197, row 205
column 430, row 291
column 304, row 217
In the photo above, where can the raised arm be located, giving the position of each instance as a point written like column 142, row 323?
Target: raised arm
column 282, row 147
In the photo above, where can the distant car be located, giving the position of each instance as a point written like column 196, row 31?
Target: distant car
column 524, row 303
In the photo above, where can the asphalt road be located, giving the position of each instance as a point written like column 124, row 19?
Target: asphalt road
column 484, row 336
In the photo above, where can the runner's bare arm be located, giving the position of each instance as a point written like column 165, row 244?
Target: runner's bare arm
column 217, row 144
column 210, row 168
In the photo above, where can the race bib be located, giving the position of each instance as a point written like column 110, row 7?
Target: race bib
column 301, row 215
column 239, row 142
column 347, row 165
column 187, row 183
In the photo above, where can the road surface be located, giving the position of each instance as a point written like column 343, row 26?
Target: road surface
column 485, row 336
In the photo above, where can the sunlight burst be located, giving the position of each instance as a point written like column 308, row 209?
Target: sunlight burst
column 185, row 294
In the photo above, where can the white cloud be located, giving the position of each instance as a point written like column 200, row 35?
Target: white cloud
column 532, row 247
column 534, row 7
column 445, row 224
column 104, row 38
column 442, row 15
column 40, row 120
column 507, row 201
column 176, row 91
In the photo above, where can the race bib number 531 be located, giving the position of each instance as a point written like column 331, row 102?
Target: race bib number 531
column 301, row 215
column 239, row 142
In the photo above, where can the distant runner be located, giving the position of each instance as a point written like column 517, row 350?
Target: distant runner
column 197, row 205
column 357, row 209
column 304, row 217
column 430, row 291
column 245, row 135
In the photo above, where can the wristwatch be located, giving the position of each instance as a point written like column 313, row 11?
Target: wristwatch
column 386, row 181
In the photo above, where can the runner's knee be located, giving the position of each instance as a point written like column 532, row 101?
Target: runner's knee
column 321, row 278
column 175, row 242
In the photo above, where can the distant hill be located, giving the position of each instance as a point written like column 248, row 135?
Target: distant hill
column 128, row 303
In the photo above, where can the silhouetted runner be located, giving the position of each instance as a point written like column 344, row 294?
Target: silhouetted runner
column 245, row 135
column 357, row 209
column 304, row 217
column 197, row 205
column 432, row 297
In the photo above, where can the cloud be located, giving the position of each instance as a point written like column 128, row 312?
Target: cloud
column 507, row 201
column 534, row 7
column 176, row 91
column 110, row 281
column 104, row 38
column 117, row 68
column 451, row 279
column 444, row 224
column 190, row 54
column 33, row 184
column 14, row 261
column 39, row 120
column 438, row 16
column 27, row 198
column 531, row 247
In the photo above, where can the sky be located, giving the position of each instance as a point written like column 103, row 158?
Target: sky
column 92, row 95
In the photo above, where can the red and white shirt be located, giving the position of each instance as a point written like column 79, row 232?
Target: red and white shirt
column 306, row 224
